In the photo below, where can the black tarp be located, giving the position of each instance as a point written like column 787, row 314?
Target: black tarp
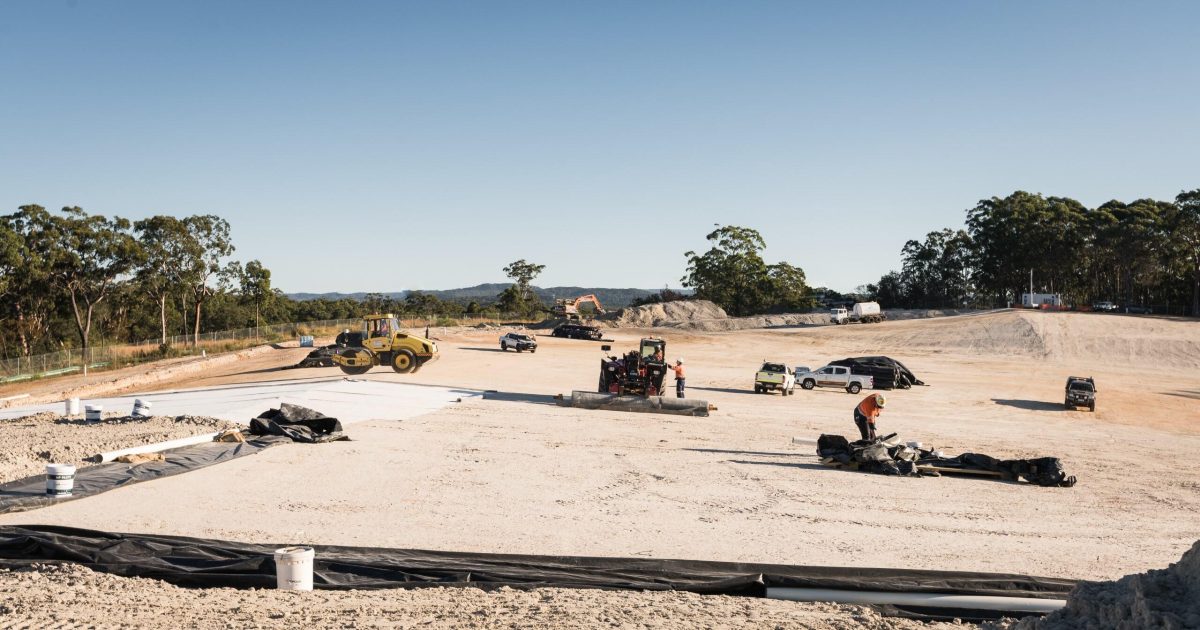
column 887, row 372
column 194, row 562
column 889, row 457
column 301, row 424
column 30, row 493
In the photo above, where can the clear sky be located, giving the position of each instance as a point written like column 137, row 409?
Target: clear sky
column 383, row 146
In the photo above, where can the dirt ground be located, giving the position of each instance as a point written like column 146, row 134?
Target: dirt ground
column 525, row 476
column 34, row 441
column 75, row 597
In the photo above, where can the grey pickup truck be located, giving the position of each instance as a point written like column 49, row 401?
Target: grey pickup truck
column 1081, row 392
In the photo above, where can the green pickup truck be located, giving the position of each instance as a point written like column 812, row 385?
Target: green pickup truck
column 775, row 376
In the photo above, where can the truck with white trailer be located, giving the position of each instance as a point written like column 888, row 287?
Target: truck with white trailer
column 864, row 312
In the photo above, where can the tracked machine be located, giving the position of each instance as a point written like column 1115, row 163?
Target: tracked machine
column 570, row 308
column 636, row 373
column 381, row 342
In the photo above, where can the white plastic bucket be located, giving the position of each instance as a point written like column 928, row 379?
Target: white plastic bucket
column 294, row 568
column 94, row 413
column 60, row 480
column 141, row 408
column 72, row 406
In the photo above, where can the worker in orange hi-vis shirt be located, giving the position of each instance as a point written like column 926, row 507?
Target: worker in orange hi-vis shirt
column 679, row 378
column 865, row 414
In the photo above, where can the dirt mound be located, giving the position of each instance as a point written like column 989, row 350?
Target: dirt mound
column 1160, row 598
column 704, row 316
column 33, row 441
column 667, row 314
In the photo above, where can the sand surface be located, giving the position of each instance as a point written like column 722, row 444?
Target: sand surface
column 75, row 597
column 525, row 476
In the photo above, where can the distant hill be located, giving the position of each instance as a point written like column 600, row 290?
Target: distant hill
column 610, row 298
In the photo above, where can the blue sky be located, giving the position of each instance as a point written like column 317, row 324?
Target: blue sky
column 426, row 145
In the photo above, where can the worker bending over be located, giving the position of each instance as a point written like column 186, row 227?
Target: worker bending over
column 679, row 378
column 865, row 414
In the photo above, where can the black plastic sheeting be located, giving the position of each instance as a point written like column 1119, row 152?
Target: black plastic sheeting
column 300, row 424
column 30, row 493
column 887, row 372
column 194, row 562
column 885, row 456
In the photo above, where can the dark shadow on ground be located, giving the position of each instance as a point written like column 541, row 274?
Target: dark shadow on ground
column 726, row 390
column 1031, row 405
column 717, row 450
column 784, row 464
column 537, row 399
column 279, row 369
column 497, row 349
column 333, row 375
column 1195, row 393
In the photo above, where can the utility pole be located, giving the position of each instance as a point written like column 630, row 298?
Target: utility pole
column 1031, row 286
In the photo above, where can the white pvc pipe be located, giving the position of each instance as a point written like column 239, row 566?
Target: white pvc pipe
column 804, row 440
column 932, row 600
column 154, row 448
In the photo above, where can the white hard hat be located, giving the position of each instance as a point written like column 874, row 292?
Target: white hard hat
column 680, row 361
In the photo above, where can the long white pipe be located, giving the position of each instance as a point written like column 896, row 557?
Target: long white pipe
column 932, row 600
column 154, row 448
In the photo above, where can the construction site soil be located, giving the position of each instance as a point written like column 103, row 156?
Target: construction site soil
column 522, row 475
column 33, row 441
column 702, row 315
column 1161, row 598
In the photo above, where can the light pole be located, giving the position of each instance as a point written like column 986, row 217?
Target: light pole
column 1031, row 287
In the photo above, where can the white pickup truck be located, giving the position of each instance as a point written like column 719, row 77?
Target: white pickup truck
column 835, row 376
column 772, row 376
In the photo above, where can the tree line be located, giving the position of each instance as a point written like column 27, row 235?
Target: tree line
column 74, row 280
column 1144, row 253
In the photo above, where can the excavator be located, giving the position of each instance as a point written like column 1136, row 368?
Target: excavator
column 569, row 308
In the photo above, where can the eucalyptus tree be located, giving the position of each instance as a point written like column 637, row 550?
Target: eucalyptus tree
column 82, row 258
column 733, row 274
column 1186, row 228
column 200, row 262
column 165, row 240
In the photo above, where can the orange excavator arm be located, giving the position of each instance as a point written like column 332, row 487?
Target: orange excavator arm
column 583, row 299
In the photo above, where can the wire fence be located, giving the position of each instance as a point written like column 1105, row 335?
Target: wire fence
column 108, row 355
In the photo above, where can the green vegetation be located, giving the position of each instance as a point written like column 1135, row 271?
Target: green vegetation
column 519, row 297
column 70, row 281
column 1142, row 253
column 733, row 274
